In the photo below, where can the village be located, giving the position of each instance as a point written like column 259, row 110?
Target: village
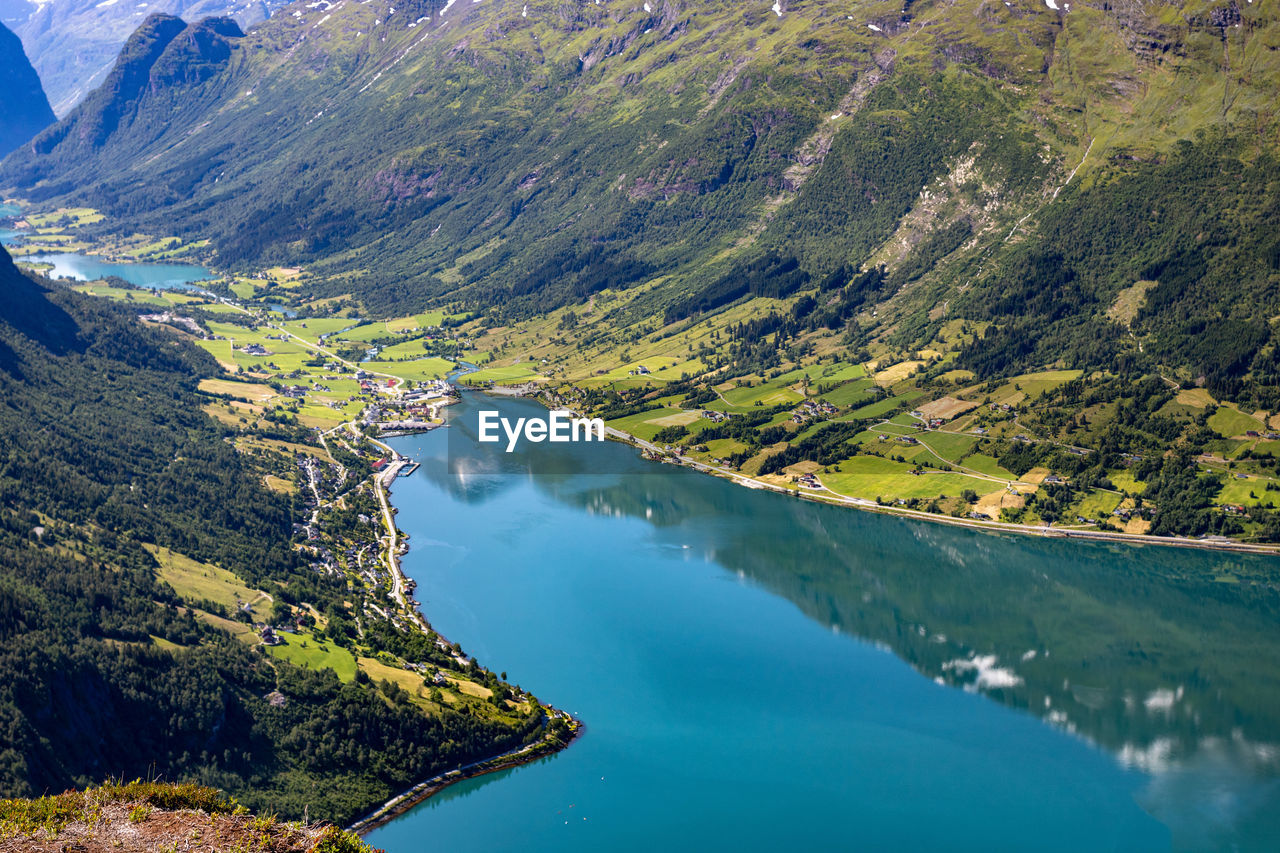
column 312, row 393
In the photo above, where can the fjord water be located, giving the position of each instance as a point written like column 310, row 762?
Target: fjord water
column 761, row 673
column 90, row 268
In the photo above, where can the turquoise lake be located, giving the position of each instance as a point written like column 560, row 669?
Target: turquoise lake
column 761, row 673
column 90, row 268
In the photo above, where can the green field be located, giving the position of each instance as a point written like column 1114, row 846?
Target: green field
column 871, row 477
column 427, row 320
column 768, row 394
column 842, row 373
column 642, row 425
column 882, row 407
column 407, row 349
column 77, row 215
column 413, row 371
column 850, row 393
column 317, row 415
column 196, row 581
column 1031, row 385
column 661, row 369
column 721, row 447
column 987, row 465
column 1228, row 422
column 314, row 654
column 1126, row 482
column 220, row 308
column 949, row 445
column 363, row 334
column 821, row 373
column 1251, row 491
column 287, row 355
column 313, row 327
column 167, row 298
column 514, row 374
column 1098, row 504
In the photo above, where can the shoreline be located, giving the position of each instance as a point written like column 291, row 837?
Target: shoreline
column 413, row 796
column 407, row 800
column 830, row 498
column 833, row 499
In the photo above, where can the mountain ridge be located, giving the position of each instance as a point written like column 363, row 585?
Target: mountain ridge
column 74, row 45
column 518, row 158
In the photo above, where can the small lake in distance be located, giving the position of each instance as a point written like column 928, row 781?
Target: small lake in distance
column 90, row 268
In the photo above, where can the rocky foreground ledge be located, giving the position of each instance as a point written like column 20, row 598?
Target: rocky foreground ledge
column 154, row 816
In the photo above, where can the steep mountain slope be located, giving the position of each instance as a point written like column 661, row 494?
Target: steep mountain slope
column 524, row 156
column 74, row 44
column 24, row 111
column 162, row 60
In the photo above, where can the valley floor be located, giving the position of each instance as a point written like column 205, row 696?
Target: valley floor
column 1050, row 452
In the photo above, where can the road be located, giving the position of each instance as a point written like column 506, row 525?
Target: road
column 827, row 496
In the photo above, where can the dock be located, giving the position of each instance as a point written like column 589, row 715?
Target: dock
column 406, row 427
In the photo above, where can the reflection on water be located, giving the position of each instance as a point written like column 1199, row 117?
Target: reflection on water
column 1167, row 658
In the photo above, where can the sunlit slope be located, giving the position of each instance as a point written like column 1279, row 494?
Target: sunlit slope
column 531, row 154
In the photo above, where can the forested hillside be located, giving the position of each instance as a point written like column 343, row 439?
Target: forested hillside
column 73, row 45
column 105, row 457
column 519, row 157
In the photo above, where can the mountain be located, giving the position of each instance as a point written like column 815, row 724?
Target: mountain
column 25, row 109
column 944, row 195
column 534, row 153
column 163, row 59
column 74, row 44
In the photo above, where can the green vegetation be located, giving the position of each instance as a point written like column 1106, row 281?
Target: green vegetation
column 185, row 813
column 871, row 478
column 500, row 375
column 304, row 649
column 1228, row 422
column 696, row 182
column 129, row 539
column 201, row 583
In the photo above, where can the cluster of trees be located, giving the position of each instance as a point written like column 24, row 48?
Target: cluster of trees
column 772, row 274
column 827, row 445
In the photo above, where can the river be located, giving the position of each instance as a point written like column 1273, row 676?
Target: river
column 762, row 673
